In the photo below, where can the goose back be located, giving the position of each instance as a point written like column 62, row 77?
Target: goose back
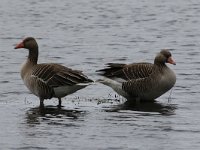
column 127, row 72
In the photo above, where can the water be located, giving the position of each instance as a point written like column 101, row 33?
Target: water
column 85, row 35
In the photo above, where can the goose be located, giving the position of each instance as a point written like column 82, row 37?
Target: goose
column 48, row 80
column 140, row 81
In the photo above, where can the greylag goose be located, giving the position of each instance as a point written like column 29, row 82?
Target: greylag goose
column 49, row 80
column 141, row 81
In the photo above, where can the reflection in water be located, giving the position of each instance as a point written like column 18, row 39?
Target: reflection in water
column 164, row 109
column 35, row 115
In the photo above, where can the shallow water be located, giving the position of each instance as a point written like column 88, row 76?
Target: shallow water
column 85, row 35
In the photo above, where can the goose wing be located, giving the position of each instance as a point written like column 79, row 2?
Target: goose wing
column 55, row 75
column 139, row 86
column 127, row 72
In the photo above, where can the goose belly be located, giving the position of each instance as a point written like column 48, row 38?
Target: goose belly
column 38, row 88
column 62, row 91
column 164, row 84
column 167, row 81
column 151, row 95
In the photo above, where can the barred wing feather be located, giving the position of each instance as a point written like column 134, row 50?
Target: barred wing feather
column 55, row 75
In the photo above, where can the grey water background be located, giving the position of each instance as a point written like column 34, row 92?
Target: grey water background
column 85, row 35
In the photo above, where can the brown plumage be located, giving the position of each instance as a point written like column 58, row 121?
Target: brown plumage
column 49, row 80
column 144, row 81
column 127, row 72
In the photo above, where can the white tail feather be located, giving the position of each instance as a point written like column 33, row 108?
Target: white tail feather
column 115, row 85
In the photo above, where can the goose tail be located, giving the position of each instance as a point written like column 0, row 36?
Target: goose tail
column 115, row 85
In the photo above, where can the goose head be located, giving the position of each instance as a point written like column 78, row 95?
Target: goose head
column 28, row 43
column 164, row 57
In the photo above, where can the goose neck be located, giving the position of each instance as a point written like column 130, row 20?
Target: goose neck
column 33, row 55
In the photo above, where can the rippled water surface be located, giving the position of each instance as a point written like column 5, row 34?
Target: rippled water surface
column 85, row 35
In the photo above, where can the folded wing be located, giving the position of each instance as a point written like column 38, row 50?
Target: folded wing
column 55, row 75
column 127, row 72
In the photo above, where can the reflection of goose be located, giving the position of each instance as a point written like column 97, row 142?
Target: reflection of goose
column 164, row 109
column 141, row 81
column 49, row 112
column 49, row 80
